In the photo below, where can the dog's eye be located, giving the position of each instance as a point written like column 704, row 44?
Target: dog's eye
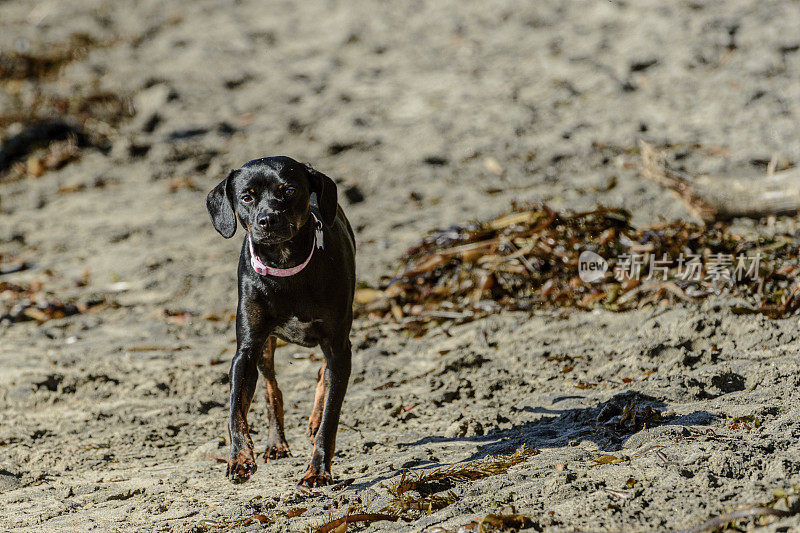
column 246, row 198
column 288, row 192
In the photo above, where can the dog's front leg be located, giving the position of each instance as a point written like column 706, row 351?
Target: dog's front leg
column 337, row 374
column 251, row 335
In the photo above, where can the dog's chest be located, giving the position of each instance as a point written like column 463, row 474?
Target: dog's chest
column 298, row 332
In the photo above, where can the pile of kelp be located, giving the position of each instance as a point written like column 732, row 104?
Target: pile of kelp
column 534, row 257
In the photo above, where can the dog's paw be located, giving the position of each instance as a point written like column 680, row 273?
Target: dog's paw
column 278, row 451
column 313, row 426
column 313, row 479
column 241, row 467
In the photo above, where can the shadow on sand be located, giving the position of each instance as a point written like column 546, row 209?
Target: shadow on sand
column 561, row 427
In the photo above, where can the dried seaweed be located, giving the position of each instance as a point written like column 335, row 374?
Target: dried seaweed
column 354, row 514
column 746, row 422
column 427, row 483
column 417, row 494
column 411, row 506
column 608, row 459
column 630, row 419
column 491, row 465
column 502, row 521
column 528, row 258
column 20, row 302
column 234, row 523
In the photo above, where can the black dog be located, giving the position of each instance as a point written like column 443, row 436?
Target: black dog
column 296, row 283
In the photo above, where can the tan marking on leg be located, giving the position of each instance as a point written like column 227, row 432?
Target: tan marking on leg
column 319, row 404
column 277, row 447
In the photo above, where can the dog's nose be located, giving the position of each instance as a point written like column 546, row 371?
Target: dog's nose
column 266, row 220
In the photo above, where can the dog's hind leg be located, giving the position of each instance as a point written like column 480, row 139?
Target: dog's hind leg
column 277, row 447
column 319, row 404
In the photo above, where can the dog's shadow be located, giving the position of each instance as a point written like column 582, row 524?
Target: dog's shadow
column 559, row 428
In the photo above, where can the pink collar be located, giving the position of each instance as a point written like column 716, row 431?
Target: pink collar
column 265, row 270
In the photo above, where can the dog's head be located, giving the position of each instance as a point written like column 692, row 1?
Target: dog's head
column 271, row 198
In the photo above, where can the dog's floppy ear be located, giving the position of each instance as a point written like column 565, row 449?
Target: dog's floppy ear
column 220, row 206
column 325, row 190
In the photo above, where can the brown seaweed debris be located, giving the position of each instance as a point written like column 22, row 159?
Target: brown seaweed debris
column 24, row 302
column 511, row 521
column 334, row 525
column 628, row 419
column 415, row 494
column 529, row 257
column 354, row 514
column 230, row 524
column 412, row 506
column 427, row 484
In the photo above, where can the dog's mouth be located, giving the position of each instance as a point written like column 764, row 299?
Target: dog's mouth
column 270, row 236
column 275, row 235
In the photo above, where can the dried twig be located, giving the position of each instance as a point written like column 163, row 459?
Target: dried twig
column 713, row 198
column 752, row 511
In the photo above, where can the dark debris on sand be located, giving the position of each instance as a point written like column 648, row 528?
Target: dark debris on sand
column 528, row 258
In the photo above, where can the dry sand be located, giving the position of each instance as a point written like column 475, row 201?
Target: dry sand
column 437, row 113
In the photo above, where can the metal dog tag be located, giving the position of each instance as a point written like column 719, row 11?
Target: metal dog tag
column 319, row 236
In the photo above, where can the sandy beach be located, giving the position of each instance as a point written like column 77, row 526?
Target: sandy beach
column 428, row 114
